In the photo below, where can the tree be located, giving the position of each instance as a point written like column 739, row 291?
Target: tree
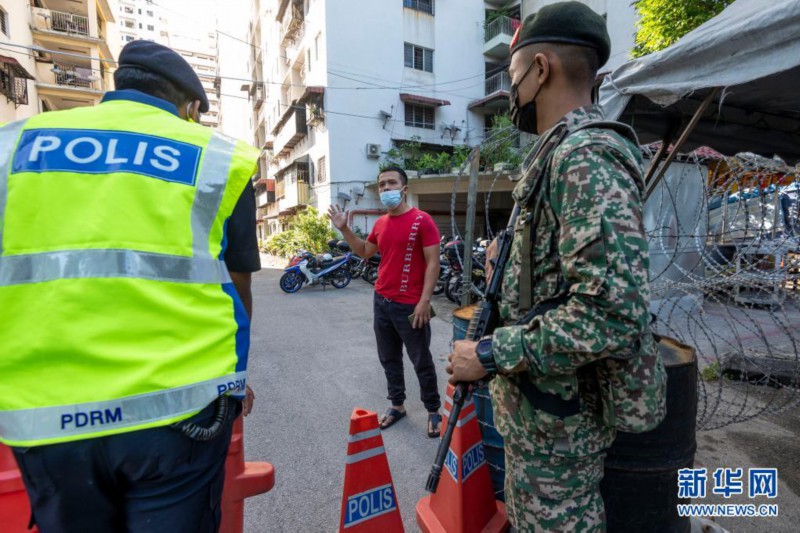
column 663, row 22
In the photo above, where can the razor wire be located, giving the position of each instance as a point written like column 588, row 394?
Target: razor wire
column 724, row 246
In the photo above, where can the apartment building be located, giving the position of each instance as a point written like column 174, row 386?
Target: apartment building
column 75, row 44
column 338, row 84
column 140, row 19
column 196, row 41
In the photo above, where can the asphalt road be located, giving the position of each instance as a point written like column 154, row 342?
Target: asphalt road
column 312, row 361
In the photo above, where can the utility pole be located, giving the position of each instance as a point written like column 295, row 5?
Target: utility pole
column 472, row 201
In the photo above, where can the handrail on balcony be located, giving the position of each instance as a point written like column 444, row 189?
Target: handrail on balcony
column 75, row 76
column 501, row 25
column 60, row 21
column 499, row 82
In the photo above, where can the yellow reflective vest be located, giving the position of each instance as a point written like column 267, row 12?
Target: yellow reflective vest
column 117, row 312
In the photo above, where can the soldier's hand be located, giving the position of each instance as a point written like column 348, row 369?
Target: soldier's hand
column 247, row 403
column 338, row 217
column 464, row 364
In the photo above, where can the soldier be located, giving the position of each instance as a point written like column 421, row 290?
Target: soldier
column 575, row 359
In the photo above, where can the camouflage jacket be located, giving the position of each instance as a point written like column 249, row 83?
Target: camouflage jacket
column 588, row 245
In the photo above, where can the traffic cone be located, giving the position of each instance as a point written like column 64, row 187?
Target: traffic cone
column 464, row 501
column 369, row 501
column 15, row 508
column 242, row 480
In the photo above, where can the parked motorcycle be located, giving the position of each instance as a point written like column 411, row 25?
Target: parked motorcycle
column 370, row 273
column 324, row 269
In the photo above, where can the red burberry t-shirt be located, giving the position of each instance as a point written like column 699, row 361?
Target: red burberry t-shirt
column 400, row 239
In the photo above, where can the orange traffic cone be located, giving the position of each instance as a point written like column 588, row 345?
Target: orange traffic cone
column 242, row 480
column 15, row 509
column 369, row 501
column 464, row 501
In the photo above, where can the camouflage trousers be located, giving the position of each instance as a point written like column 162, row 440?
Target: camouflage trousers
column 548, row 493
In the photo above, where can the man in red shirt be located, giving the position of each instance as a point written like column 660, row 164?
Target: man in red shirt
column 408, row 241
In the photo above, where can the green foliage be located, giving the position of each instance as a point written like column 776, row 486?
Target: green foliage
column 501, row 145
column 663, row 22
column 308, row 231
column 711, row 372
column 406, row 155
column 460, row 156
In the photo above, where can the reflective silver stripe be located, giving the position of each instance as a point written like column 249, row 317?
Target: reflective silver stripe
column 364, row 435
column 8, row 138
column 49, row 266
column 52, row 423
column 367, row 454
column 210, row 188
column 463, row 420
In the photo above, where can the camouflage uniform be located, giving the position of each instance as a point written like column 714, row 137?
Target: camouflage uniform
column 588, row 244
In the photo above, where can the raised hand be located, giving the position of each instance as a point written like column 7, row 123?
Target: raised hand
column 338, row 217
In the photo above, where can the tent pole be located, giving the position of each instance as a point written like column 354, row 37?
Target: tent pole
column 651, row 184
column 653, row 166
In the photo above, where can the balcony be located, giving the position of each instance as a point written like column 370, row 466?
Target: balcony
column 295, row 195
column 257, row 94
column 69, row 79
column 58, row 21
column 497, row 89
column 290, row 15
column 497, row 38
column 290, row 130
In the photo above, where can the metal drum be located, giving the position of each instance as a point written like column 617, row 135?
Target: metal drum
column 640, row 486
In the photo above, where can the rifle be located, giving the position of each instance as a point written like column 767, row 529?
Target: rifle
column 484, row 321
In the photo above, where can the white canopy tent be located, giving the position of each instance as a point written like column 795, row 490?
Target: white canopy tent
column 732, row 84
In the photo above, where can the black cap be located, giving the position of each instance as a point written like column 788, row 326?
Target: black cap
column 165, row 62
column 565, row 23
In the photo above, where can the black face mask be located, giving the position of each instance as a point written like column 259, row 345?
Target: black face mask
column 524, row 118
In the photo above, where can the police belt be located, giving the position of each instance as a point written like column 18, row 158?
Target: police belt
column 546, row 401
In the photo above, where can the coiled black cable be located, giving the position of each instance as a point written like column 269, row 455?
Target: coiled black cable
column 199, row 433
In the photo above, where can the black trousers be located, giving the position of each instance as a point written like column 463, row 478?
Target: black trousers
column 392, row 331
column 152, row 480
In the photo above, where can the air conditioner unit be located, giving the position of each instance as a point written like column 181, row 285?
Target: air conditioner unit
column 373, row 150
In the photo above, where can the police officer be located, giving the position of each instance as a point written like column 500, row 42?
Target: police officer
column 126, row 248
column 574, row 360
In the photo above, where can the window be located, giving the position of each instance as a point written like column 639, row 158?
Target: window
column 128, row 38
column 129, row 10
column 426, row 6
column 140, row 25
column 308, row 60
column 316, row 46
column 129, row 24
column 150, row 27
column 4, row 22
column 418, row 116
column 15, row 88
column 418, row 58
column 149, row 13
column 322, row 175
column 140, row 11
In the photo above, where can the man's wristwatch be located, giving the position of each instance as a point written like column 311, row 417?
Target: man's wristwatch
column 484, row 352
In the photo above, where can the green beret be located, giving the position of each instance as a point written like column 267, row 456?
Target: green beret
column 565, row 23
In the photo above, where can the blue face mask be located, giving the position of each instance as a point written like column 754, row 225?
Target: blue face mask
column 391, row 199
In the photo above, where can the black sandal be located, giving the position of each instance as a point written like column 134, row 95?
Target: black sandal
column 390, row 417
column 434, row 421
